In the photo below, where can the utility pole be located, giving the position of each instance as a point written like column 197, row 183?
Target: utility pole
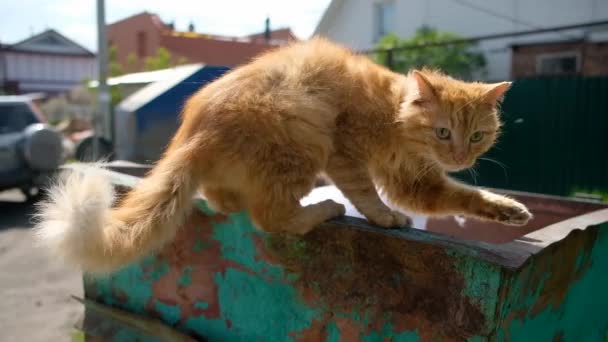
column 103, row 93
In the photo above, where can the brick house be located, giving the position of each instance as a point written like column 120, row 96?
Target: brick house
column 575, row 57
column 141, row 35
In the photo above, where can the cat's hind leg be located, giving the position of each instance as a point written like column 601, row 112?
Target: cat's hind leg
column 291, row 217
column 356, row 184
column 276, row 207
column 224, row 200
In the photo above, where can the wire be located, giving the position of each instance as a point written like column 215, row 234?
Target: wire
column 496, row 36
column 503, row 16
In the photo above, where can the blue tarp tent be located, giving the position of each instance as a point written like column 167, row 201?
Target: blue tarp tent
column 145, row 121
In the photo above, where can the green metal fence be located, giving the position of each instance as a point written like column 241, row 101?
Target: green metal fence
column 555, row 137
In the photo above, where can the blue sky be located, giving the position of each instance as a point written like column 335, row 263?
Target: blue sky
column 76, row 18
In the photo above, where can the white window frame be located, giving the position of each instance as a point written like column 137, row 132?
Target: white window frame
column 376, row 7
column 551, row 55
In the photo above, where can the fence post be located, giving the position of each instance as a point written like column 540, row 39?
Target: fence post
column 389, row 58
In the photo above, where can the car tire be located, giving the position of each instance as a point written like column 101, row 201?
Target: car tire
column 84, row 150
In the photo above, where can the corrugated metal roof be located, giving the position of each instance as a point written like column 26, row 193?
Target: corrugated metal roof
column 160, row 81
column 150, row 76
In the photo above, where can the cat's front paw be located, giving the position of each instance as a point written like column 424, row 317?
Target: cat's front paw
column 390, row 219
column 505, row 210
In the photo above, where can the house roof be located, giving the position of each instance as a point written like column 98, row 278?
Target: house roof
column 146, row 77
column 163, row 80
column 154, row 18
column 328, row 15
column 282, row 34
column 50, row 42
column 213, row 51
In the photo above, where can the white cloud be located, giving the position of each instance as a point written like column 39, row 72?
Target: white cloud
column 77, row 18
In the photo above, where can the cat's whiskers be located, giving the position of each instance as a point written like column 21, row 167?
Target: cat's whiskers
column 473, row 174
column 501, row 165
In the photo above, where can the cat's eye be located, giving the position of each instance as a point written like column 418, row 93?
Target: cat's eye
column 443, row 133
column 476, row 137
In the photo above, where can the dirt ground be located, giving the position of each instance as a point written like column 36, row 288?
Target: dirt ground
column 35, row 302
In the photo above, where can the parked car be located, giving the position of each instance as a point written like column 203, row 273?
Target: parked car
column 30, row 149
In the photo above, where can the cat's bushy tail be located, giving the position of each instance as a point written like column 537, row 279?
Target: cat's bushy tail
column 79, row 224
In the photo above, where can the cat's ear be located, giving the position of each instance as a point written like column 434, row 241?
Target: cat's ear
column 496, row 92
column 419, row 88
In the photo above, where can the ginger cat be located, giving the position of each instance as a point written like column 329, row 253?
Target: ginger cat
column 256, row 139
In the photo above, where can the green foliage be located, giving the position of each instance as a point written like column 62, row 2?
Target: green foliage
column 182, row 60
column 596, row 193
column 131, row 61
column 454, row 59
column 162, row 60
column 115, row 68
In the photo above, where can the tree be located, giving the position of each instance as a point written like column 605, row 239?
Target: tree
column 131, row 62
column 162, row 60
column 455, row 59
column 114, row 66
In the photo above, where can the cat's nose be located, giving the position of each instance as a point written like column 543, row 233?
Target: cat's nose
column 459, row 157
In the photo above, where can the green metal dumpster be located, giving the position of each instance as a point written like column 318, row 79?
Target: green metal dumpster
column 222, row 280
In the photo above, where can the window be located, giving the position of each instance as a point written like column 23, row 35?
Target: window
column 141, row 44
column 558, row 63
column 15, row 117
column 384, row 13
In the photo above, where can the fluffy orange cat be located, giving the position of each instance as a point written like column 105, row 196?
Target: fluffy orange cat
column 256, row 139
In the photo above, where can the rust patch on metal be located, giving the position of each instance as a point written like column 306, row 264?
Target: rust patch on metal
column 204, row 263
column 316, row 332
column 555, row 268
column 564, row 264
column 559, row 337
column 108, row 323
column 355, row 271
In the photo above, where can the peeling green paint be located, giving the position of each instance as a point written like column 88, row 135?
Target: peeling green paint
column 387, row 332
column 201, row 305
column 169, row 313
column 581, row 316
column 236, row 238
column 482, row 284
column 240, row 295
column 251, row 297
column 185, row 279
column 204, row 207
column 212, row 329
column 136, row 282
column 333, row 333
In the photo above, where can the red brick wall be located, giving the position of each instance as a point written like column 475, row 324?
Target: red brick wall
column 124, row 35
column 594, row 57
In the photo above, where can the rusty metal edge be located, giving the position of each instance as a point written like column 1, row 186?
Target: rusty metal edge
column 544, row 196
column 548, row 235
column 511, row 255
column 146, row 326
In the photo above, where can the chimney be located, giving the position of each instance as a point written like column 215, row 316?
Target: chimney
column 191, row 27
column 267, row 30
